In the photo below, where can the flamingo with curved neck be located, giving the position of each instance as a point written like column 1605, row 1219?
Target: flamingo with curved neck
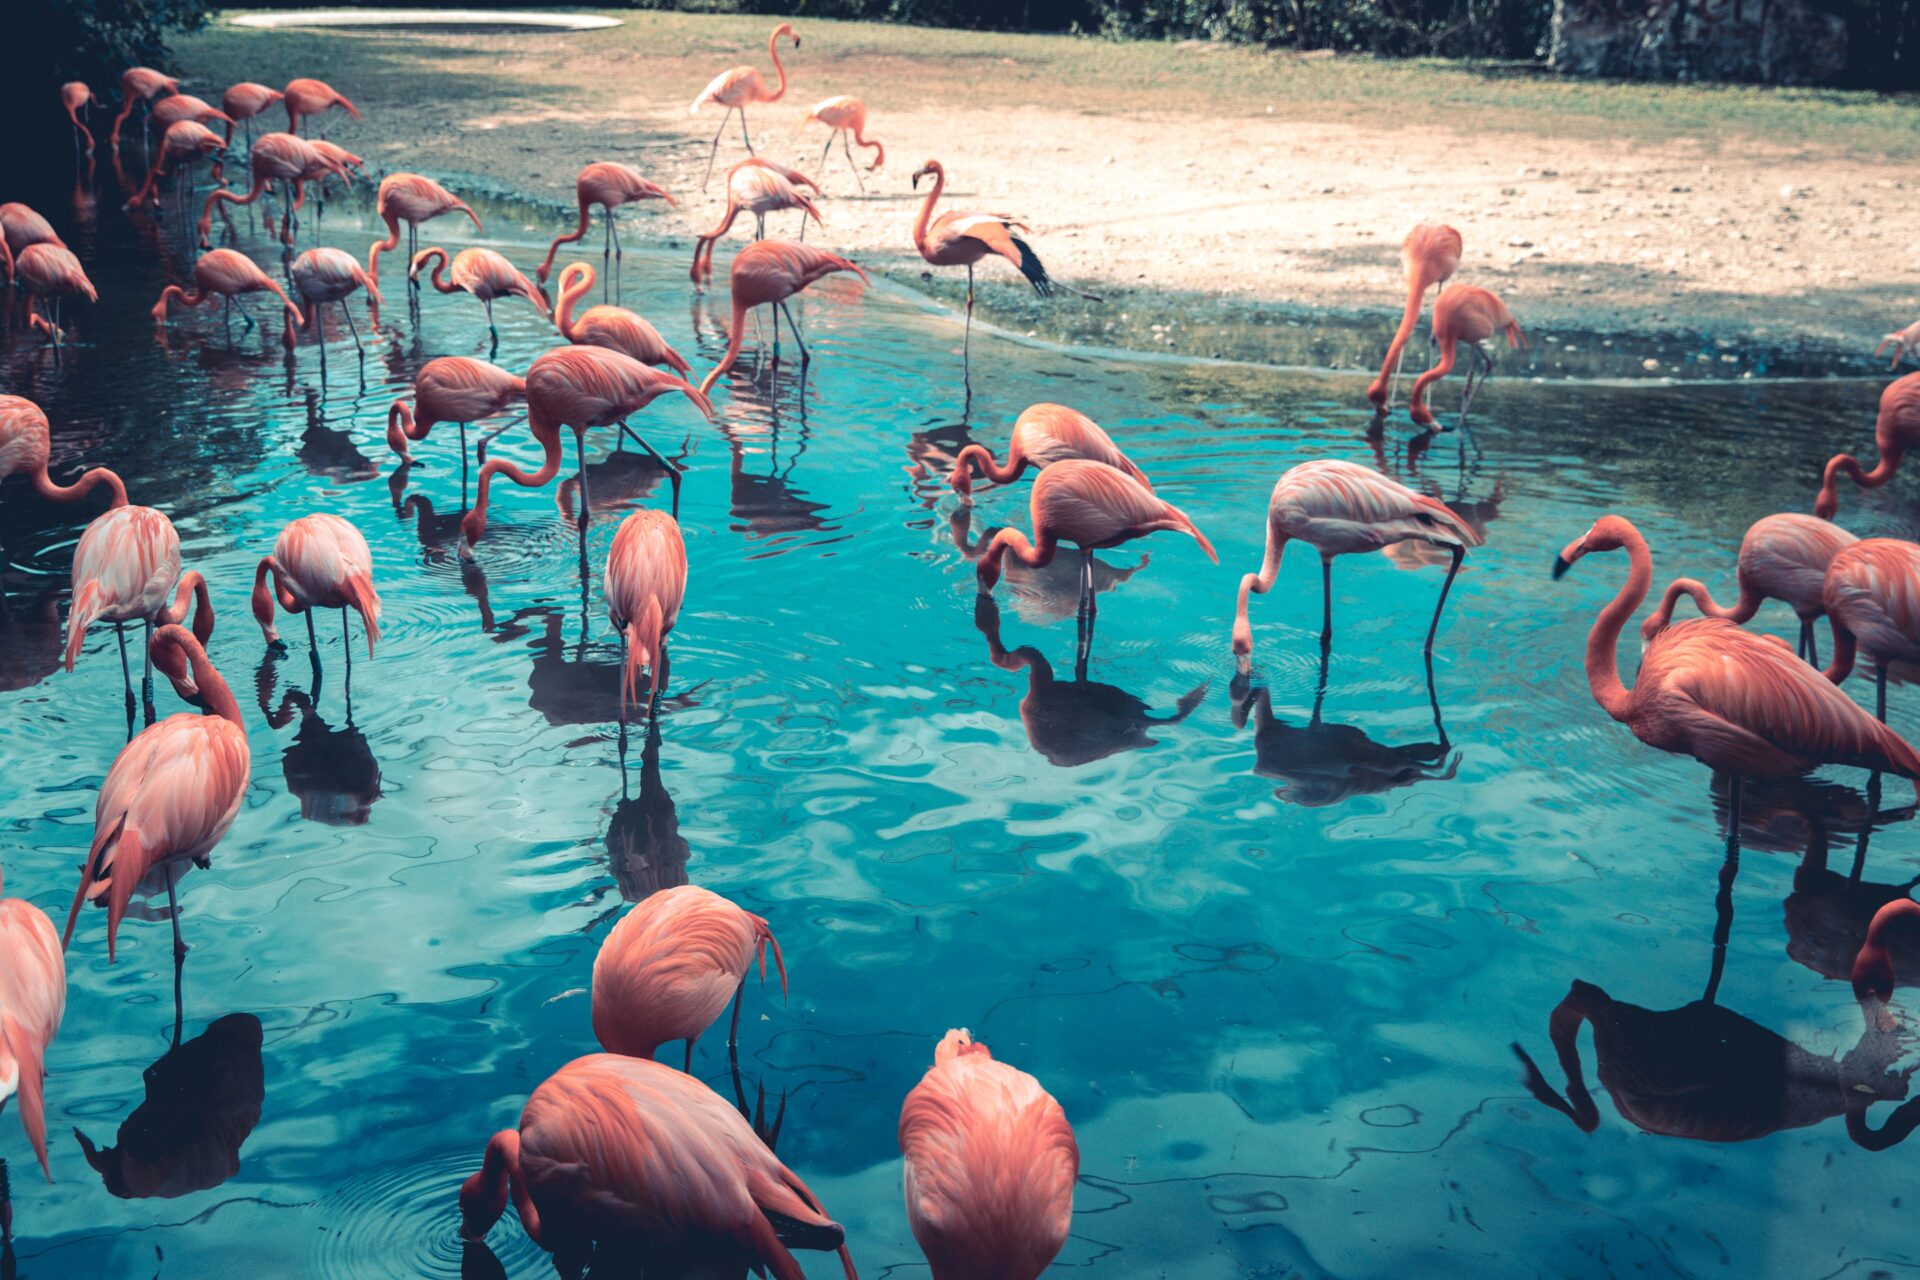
column 1895, row 430
column 1873, row 967
column 614, row 328
column 1428, row 256
column 737, row 87
column 1042, row 435
column 1782, row 557
column 26, row 447
column 609, row 185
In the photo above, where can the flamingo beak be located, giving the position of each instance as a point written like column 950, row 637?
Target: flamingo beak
column 1560, row 566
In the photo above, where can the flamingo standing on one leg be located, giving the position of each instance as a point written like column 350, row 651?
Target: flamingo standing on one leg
column 614, row 328
column 1903, row 341
column 126, row 568
column 138, row 85
column 760, row 187
column 767, row 273
column 737, row 88
column 608, row 184
column 1465, row 313
column 231, row 275
column 184, row 142
column 670, row 965
column 49, row 272
column 33, row 1000
column 304, row 98
column 281, row 158
column 26, row 444
column 1895, row 430
column 75, row 97
column 1343, row 509
column 1043, row 434
column 1783, row 557
column 645, row 582
column 318, row 562
column 172, row 792
column 484, row 273
column 582, row 387
column 321, row 276
column 1872, row 596
column 1428, row 257
column 844, row 116
column 617, row 1148
column 990, row 1166
column 451, row 389
column 412, row 199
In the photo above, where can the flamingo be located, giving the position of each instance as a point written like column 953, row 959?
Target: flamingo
column 184, row 142
column 608, row 184
column 23, row 226
column 125, row 567
column 990, row 1166
column 75, row 97
column 172, row 792
column 138, row 85
column 171, row 110
column 350, row 164
column 760, row 187
column 738, row 87
column 319, row 562
column 305, row 98
column 451, row 389
column 844, row 116
column 1872, row 595
column 582, row 387
column 1465, row 313
column 767, row 273
column 1903, row 341
column 412, row 199
column 33, row 1000
column 484, row 273
column 1895, row 430
column 26, row 445
column 644, row 583
column 321, row 276
column 275, row 157
column 614, row 328
column 1735, row 701
column 243, row 102
column 48, row 272
column 1873, row 967
column 612, row 1148
column 670, row 965
column 230, row 274
column 1783, row 557
column 1043, row 434
column 1342, row 509
column 1093, row 506
column 1428, row 257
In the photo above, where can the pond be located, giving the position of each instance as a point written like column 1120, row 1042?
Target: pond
column 1268, row 941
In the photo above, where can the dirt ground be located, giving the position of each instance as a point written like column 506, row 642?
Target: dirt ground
column 1780, row 219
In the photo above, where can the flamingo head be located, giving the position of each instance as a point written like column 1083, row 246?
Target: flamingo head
column 1609, row 533
column 483, row 1197
column 786, row 29
column 931, row 168
column 170, row 660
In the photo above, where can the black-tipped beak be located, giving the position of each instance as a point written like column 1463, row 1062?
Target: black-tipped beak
column 916, row 179
column 1560, row 566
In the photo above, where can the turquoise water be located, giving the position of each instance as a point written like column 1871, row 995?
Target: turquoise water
column 1270, row 966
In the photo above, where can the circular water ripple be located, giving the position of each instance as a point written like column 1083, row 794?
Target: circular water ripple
column 404, row 1220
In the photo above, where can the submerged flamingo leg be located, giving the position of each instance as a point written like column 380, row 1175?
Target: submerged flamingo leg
column 1723, row 900
column 1326, row 602
column 1459, row 554
column 173, row 910
column 1880, row 691
column 313, row 647
column 126, row 673
column 146, row 675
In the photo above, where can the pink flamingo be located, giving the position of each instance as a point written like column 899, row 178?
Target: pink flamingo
column 484, row 273
column 845, row 116
column 1872, row 595
column 75, row 97
column 184, row 142
column 1043, row 434
column 1783, row 557
column 1466, row 313
column 624, row 1149
column 451, row 389
column 767, row 273
column 49, row 272
column 26, row 444
column 737, row 88
column 230, row 274
column 1735, row 701
column 614, row 328
column 318, row 562
column 670, row 965
column 609, row 185
column 351, row 164
column 760, row 187
column 126, row 567
column 33, row 1000
column 171, row 110
column 412, row 199
column 24, row 226
column 1873, row 967
column 1344, row 509
column 1903, row 341
column 990, row 1166
column 1093, row 506
column 1896, row 430
column 1428, row 258
column 304, row 98
column 582, row 387
column 644, row 583
column 138, row 85
column 172, row 792
column 276, row 157
column 245, row 101
column 321, row 276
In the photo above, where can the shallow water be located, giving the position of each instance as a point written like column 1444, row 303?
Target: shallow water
column 1270, row 965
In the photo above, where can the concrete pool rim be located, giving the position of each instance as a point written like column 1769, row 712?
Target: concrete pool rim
column 418, row 19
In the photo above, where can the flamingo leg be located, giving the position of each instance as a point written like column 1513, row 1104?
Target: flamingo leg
column 1326, row 603
column 715, row 150
column 845, row 143
column 1459, row 554
column 613, row 228
column 673, row 472
column 313, row 648
column 966, row 342
column 491, row 331
column 580, row 447
column 606, row 256
column 733, row 1027
column 126, row 673
column 173, row 909
column 346, row 648
column 354, row 329
column 806, row 357
column 759, row 226
column 1723, row 899
column 1813, row 645
column 320, row 333
column 743, row 132
column 146, row 674
column 1880, row 691
column 822, row 166
column 623, row 714
column 688, row 1068
column 1806, row 637
column 244, row 313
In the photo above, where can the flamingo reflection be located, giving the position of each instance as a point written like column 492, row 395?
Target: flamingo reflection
column 331, row 771
column 645, row 849
column 1044, row 595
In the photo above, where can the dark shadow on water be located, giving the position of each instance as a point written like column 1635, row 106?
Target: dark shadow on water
column 645, row 849
column 331, row 771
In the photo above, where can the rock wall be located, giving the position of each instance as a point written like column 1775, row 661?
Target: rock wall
column 1769, row 41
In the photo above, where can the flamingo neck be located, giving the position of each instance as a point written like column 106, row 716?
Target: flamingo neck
column 215, row 694
column 925, row 219
column 438, row 276
column 193, row 587
column 1603, row 662
column 474, row 524
column 400, row 429
column 1441, row 369
column 976, row 455
column 734, row 340
column 773, row 51
column 568, row 237
column 1873, row 967
column 1748, row 605
column 43, row 485
column 574, row 285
